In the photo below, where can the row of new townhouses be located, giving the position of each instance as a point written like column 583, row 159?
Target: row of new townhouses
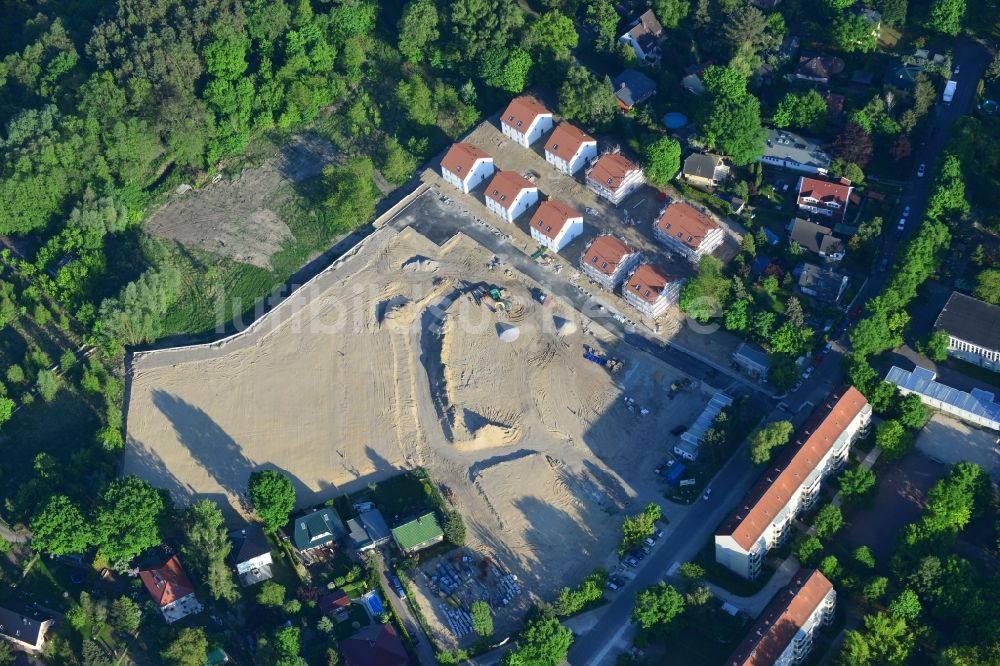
column 791, row 485
column 611, row 263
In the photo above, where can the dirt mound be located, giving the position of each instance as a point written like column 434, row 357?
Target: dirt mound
column 508, row 333
column 420, row 264
column 564, row 327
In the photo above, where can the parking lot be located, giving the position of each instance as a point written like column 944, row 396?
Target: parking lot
column 949, row 441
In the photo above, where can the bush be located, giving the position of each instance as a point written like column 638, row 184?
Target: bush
column 828, row 521
column 15, row 374
column 47, row 384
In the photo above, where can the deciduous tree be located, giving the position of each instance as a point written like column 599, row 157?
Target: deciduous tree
column 128, row 518
column 767, row 438
column 190, row 648
column 657, row 604
column 585, row 98
column 273, row 497
column 661, row 160
column 60, row 528
column 206, row 546
column 418, row 29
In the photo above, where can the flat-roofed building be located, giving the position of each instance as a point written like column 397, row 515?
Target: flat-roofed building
column 783, row 634
column 977, row 406
column 973, row 329
column 791, row 484
column 753, row 360
column 554, row 225
column 689, row 232
column 525, row 120
column 689, row 445
column 465, row 166
column 614, row 177
column 651, row 290
column 608, row 260
column 794, row 152
column 569, row 148
column 509, row 194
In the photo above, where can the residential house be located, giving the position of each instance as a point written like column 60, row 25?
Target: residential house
column 783, row 634
column 977, row 406
column 525, row 120
column 569, row 148
column 251, row 555
column 704, row 170
column 465, row 166
column 791, row 483
column 651, row 290
column 24, row 628
column 818, row 69
column 375, row 526
column 417, row 534
column 817, row 239
column 973, row 329
column 335, row 604
column 643, row 36
column 752, row 360
column 825, row 197
column 692, row 78
column 509, row 194
column 614, row 177
column 554, row 225
column 822, row 283
column 171, row 590
column 794, row 152
column 689, row 232
column 317, row 529
column 632, row 88
column 608, row 260
column 357, row 537
column 690, row 441
column 375, row 645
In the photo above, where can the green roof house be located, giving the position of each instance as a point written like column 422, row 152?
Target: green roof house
column 317, row 529
column 418, row 534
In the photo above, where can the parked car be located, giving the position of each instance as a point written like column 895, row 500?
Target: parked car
column 809, row 371
column 658, row 533
column 921, row 170
column 707, row 494
column 883, row 264
column 827, row 347
column 902, row 223
column 679, row 430
column 957, row 69
column 617, row 580
column 612, row 585
column 796, row 386
column 817, row 359
column 631, row 561
column 638, row 554
column 906, row 212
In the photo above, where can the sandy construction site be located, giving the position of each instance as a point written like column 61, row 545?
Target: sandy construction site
column 394, row 358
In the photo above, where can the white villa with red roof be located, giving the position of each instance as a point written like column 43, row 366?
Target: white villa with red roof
column 171, row 590
column 825, row 197
column 608, row 260
column 687, row 231
column 791, row 484
column 525, row 120
column 465, row 166
column 554, row 225
column 509, row 194
column 614, row 177
column 783, row 634
column 569, row 148
column 651, row 290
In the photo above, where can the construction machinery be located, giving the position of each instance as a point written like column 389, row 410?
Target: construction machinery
column 610, row 364
column 492, row 296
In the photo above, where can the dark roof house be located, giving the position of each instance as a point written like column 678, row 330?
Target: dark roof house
column 816, row 239
column 818, row 68
column 826, row 285
column 24, row 627
column 317, row 528
column 702, row 168
column 375, row 645
column 971, row 320
column 632, row 88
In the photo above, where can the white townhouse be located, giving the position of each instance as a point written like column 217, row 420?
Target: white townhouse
column 465, row 166
column 554, row 225
column 651, row 290
column 569, row 148
column 689, row 232
column 791, row 484
column 525, row 120
column 614, row 177
column 509, row 194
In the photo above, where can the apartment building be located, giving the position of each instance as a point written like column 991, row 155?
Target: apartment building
column 973, row 329
column 687, row 231
column 783, row 634
column 614, row 177
column 792, row 482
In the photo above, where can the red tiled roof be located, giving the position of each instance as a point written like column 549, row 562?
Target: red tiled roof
column 824, row 191
column 505, row 187
column 648, row 282
column 611, row 169
column 781, row 620
column 330, row 603
column 566, row 140
column 685, row 223
column 551, row 217
column 522, row 112
column 605, row 253
column 167, row 583
column 375, row 645
column 461, row 157
column 776, row 486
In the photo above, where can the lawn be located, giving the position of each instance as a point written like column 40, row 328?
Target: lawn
column 706, row 640
column 404, row 495
column 355, row 614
